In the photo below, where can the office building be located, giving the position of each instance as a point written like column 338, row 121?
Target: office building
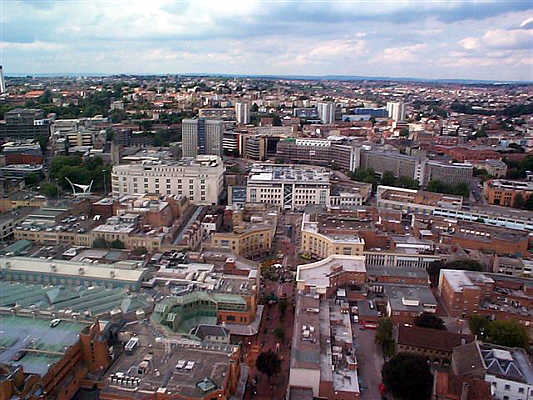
column 326, row 112
column 449, row 173
column 242, row 113
column 199, row 179
column 383, row 161
column 319, row 152
column 24, row 123
column 2, row 81
column 288, row 186
column 396, row 111
column 217, row 113
column 201, row 136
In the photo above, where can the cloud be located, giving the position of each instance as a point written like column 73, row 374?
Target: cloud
column 527, row 23
column 402, row 54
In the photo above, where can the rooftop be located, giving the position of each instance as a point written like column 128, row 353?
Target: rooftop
column 283, row 173
column 431, row 338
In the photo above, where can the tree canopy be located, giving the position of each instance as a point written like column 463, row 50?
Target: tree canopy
column 269, row 363
column 459, row 189
column 465, row 264
column 428, row 320
column 408, row 377
column 503, row 333
column 384, row 336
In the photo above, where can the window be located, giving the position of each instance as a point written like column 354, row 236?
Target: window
column 507, row 387
column 520, row 390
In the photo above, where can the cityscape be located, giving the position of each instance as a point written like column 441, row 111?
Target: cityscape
column 321, row 217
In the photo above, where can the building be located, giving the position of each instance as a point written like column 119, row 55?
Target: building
column 507, row 193
column 403, row 302
column 512, row 266
column 382, row 161
column 396, row 111
column 199, row 179
column 290, row 187
column 373, row 112
column 322, row 363
column 322, row 237
column 495, row 168
column 202, row 136
column 70, row 273
column 319, row 152
column 326, row 276
column 242, row 113
column 20, row 170
column 2, row 81
column 24, row 123
column 434, row 344
column 22, row 153
column 253, row 227
column 305, row 112
column 171, row 368
column 255, row 147
column 450, row 174
column 227, row 113
column 51, row 361
column 410, row 201
column 448, row 386
column 326, row 112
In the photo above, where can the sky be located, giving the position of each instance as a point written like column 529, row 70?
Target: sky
column 475, row 39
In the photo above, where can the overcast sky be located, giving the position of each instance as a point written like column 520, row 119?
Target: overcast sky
column 426, row 39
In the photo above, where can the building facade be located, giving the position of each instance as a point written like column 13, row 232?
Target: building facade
column 201, row 136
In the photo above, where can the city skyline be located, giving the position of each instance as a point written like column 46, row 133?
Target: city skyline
column 484, row 40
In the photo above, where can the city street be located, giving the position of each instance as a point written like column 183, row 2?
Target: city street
column 369, row 361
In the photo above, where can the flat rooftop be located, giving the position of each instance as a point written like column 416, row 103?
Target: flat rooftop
column 305, row 351
column 209, row 365
column 287, row 173
column 318, row 274
column 44, row 345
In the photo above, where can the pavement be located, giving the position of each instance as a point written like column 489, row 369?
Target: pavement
column 369, row 361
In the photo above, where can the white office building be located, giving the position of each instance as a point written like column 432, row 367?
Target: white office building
column 288, row 186
column 396, row 111
column 242, row 113
column 201, row 180
column 326, row 112
column 2, row 81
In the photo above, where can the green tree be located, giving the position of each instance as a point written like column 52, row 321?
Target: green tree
column 434, row 268
column 388, row 179
column 408, row 377
column 46, row 97
column 117, row 244
column 268, row 363
column 384, row 336
column 33, row 179
column 519, row 201
column 254, row 108
column 49, row 190
column 529, row 203
column 404, row 132
column 479, row 325
column 100, row 243
column 508, row 333
column 428, row 320
column 279, row 333
column 407, row 182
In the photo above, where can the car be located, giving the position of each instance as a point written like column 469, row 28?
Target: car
column 18, row 355
column 54, row 323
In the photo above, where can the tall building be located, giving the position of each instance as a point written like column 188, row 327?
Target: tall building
column 242, row 113
column 202, row 137
column 396, row 110
column 326, row 112
column 199, row 179
column 2, row 81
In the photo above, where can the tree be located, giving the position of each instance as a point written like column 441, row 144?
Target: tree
column 279, row 333
column 408, row 377
column 282, row 305
column 384, row 336
column 254, row 108
column 33, row 179
column 428, row 320
column 268, row 363
column 100, row 243
column 479, row 325
column 508, row 333
column 49, row 190
column 117, row 244
column 465, row 264
column 139, row 251
column 404, row 132
column 46, row 97
column 519, row 201
column 529, row 203
column 388, row 179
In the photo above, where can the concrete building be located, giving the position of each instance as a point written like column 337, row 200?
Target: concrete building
column 199, row 179
column 227, row 113
column 319, row 152
column 381, row 161
column 201, row 137
column 326, row 112
column 242, row 113
column 2, row 81
column 290, row 187
column 415, row 201
column 396, row 111
column 24, row 123
column 450, row 174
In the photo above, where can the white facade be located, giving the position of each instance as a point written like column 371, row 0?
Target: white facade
column 326, row 112
column 396, row 111
column 288, row 186
column 2, row 81
column 200, row 180
column 505, row 389
column 242, row 113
